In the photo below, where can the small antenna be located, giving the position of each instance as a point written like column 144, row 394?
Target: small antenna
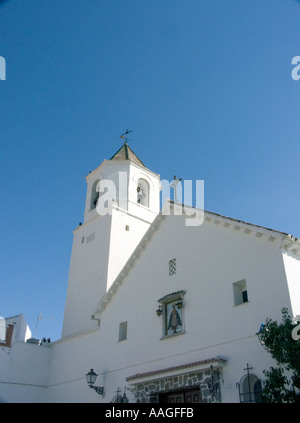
column 40, row 317
column 174, row 185
column 124, row 135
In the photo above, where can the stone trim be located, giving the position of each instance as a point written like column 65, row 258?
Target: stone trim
column 149, row 385
column 148, row 392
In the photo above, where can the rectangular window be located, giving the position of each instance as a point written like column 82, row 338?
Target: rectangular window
column 172, row 267
column 244, row 296
column 240, row 293
column 122, row 331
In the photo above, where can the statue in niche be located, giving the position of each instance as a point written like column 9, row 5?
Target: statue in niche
column 174, row 319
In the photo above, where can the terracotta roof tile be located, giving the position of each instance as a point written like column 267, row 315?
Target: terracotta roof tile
column 175, row 368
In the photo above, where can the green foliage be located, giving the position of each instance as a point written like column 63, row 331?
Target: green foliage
column 282, row 384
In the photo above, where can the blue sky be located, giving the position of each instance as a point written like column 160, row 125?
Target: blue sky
column 206, row 87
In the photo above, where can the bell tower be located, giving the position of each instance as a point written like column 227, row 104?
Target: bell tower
column 122, row 200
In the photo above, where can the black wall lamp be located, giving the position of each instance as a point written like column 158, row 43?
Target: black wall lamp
column 178, row 303
column 159, row 310
column 91, row 377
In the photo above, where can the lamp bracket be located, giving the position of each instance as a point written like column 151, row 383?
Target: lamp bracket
column 98, row 389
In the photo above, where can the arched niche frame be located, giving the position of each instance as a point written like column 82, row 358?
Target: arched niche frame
column 144, row 186
column 94, row 192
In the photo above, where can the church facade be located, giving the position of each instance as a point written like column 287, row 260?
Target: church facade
column 157, row 310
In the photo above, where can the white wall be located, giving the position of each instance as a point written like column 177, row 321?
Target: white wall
column 102, row 245
column 87, row 275
column 126, row 232
column 292, row 268
column 210, row 258
column 24, row 370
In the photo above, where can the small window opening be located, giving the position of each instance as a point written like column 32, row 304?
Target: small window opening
column 240, row 293
column 122, row 331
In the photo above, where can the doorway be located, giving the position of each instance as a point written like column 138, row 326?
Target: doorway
column 189, row 396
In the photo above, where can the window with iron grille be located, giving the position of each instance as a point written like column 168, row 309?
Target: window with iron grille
column 172, row 267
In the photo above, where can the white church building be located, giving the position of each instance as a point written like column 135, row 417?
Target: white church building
column 157, row 310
